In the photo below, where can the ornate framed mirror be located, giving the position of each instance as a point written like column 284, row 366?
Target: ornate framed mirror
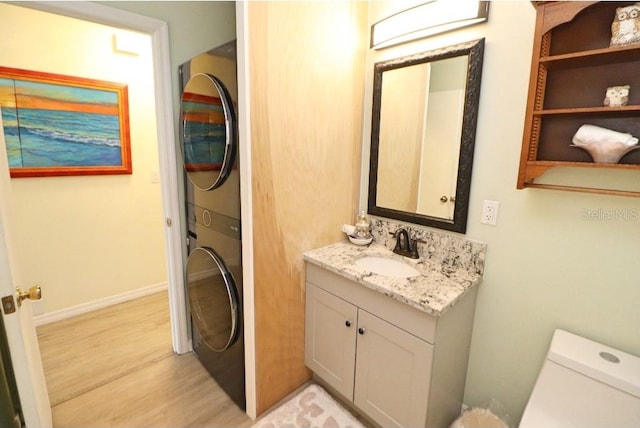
column 425, row 110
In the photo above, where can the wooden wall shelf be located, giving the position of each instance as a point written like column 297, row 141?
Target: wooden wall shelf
column 587, row 110
column 571, row 68
column 610, row 54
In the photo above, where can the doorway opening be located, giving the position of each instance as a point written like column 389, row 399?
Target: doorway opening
column 93, row 240
column 166, row 173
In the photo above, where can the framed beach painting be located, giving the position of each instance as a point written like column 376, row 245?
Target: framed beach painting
column 57, row 125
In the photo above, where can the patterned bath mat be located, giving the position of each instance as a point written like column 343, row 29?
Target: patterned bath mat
column 311, row 408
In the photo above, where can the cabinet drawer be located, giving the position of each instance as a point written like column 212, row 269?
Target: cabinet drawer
column 410, row 319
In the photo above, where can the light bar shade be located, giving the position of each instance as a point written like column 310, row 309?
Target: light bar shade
column 433, row 17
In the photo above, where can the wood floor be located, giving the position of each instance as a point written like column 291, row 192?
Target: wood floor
column 115, row 368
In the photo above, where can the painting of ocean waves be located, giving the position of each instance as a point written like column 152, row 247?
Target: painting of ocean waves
column 62, row 125
column 61, row 138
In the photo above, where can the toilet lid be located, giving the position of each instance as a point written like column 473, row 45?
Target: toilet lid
column 533, row 418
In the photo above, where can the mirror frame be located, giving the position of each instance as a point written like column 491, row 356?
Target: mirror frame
column 474, row 50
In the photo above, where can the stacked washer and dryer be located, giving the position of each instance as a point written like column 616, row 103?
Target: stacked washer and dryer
column 209, row 147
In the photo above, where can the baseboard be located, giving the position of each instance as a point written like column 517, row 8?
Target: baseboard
column 83, row 308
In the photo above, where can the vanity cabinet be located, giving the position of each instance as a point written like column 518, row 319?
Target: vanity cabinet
column 399, row 366
column 573, row 64
column 387, row 378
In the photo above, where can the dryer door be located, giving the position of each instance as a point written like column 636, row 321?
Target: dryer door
column 213, row 299
column 208, row 131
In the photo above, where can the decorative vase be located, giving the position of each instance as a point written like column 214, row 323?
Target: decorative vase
column 604, row 145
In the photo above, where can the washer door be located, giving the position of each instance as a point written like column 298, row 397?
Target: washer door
column 213, row 299
column 208, row 131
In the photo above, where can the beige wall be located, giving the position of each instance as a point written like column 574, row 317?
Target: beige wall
column 306, row 80
column 548, row 266
column 86, row 238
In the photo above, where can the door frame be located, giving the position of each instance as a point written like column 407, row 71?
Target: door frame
column 159, row 32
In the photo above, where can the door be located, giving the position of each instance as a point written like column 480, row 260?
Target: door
column 441, row 143
column 393, row 373
column 23, row 346
column 330, row 337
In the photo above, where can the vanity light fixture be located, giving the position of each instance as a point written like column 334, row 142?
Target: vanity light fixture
column 427, row 19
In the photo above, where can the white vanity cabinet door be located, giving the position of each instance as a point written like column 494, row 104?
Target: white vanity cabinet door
column 393, row 373
column 330, row 339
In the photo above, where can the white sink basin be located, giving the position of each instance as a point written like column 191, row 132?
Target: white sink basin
column 387, row 267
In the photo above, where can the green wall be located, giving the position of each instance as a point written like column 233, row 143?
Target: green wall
column 555, row 259
column 548, row 265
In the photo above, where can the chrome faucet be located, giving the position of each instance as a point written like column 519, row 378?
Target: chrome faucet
column 404, row 246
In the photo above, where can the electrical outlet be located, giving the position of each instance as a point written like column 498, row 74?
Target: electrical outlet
column 490, row 212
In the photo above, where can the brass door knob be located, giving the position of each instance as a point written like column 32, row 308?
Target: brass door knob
column 33, row 293
column 443, row 198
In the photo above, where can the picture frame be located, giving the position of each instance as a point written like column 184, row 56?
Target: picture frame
column 57, row 125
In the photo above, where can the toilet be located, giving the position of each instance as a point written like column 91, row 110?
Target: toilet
column 584, row 384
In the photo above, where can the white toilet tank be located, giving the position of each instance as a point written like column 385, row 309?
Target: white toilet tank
column 584, row 384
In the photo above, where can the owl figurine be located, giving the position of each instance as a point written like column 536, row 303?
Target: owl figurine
column 617, row 96
column 625, row 29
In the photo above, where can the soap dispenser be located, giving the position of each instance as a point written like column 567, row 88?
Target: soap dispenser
column 363, row 227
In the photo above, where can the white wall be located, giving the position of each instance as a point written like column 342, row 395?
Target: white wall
column 547, row 266
column 87, row 238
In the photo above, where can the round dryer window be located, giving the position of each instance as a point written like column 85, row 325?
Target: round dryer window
column 208, row 131
column 213, row 299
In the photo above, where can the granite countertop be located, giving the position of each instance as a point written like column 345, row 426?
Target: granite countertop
column 438, row 287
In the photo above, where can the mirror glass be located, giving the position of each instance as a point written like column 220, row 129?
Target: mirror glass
column 208, row 134
column 423, row 132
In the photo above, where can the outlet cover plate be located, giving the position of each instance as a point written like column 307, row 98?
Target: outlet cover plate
column 490, row 212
